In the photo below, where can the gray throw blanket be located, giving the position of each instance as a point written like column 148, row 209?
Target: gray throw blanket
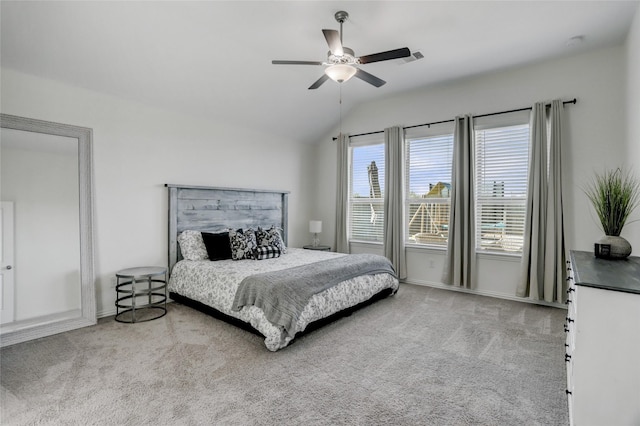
column 282, row 295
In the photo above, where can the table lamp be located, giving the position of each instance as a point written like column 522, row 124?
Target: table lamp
column 315, row 227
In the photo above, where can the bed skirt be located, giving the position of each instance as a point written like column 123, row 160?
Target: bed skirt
column 310, row 327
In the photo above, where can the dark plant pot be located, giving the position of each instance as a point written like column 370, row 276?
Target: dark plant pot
column 611, row 247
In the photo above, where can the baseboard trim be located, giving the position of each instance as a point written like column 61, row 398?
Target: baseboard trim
column 484, row 293
column 106, row 313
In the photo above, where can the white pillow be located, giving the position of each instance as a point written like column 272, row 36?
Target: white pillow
column 192, row 246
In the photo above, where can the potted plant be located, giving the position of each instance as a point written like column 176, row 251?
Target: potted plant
column 614, row 195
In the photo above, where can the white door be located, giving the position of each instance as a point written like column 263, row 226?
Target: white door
column 7, row 281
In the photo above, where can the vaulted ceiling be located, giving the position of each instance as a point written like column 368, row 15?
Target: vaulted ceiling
column 213, row 58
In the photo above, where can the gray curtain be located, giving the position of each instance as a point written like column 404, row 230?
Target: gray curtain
column 460, row 263
column 543, row 270
column 393, row 200
column 342, row 193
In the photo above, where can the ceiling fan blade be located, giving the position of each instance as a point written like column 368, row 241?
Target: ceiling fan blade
column 319, row 82
column 386, row 56
column 371, row 79
column 296, row 63
column 333, row 40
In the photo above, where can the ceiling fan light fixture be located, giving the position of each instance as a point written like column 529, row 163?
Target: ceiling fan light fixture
column 340, row 72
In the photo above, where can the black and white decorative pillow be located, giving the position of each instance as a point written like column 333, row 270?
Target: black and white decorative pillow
column 192, row 246
column 243, row 243
column 266, row 252
column 271, row 237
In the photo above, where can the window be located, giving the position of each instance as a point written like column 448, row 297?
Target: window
column 366, row 189
column 502, row 159
column 427, row 188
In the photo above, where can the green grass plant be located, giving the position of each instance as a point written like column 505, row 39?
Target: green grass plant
column 614, row 195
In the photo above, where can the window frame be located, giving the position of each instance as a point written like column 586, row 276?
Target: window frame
column 354, row 143
column 512, row 119
column 422, row 133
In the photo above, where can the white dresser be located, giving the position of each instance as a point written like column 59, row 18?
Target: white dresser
column 603, row 341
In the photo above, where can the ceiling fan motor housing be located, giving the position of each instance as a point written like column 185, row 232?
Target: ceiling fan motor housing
column 347, row 58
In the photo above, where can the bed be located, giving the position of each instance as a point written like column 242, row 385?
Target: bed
column 196, row 214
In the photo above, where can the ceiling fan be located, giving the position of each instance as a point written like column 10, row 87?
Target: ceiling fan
column 342, row 62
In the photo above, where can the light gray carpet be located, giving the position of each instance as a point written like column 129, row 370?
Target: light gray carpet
column 423, row 357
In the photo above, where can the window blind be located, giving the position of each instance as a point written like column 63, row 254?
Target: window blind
column 427, row 188
column 502, row 158
column 366, row 191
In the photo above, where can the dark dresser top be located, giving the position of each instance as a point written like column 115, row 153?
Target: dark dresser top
column 617, row 275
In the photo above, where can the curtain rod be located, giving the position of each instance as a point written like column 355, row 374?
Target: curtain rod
column 572, row 101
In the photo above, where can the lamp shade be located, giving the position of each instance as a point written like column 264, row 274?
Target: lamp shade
column 315, row 226
column 340, row 72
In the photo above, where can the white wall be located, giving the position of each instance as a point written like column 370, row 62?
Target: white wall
column 44, row 189
column 632, row 230
column 137, row 149
column 596, row 139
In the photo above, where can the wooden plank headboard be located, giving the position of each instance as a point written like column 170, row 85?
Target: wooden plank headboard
column 211, row 209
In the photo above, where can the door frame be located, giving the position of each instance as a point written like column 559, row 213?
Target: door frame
column 7, row 258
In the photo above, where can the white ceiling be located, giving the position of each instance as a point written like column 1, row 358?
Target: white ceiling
column 213, row 58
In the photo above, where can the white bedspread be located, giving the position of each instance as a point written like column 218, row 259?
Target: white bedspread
column 215, row 284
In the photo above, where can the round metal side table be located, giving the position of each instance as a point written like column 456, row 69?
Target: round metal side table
column 141, row 294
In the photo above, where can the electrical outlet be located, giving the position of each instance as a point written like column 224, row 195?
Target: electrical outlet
column 431, row 263
column 113, row 282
